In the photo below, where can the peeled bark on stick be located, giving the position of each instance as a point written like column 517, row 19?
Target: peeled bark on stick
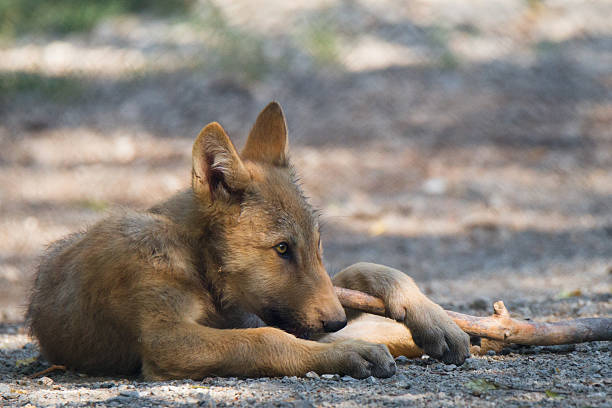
column 500, row 326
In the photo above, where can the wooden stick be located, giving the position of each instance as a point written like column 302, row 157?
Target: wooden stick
column 48, row 370
column 500, row 326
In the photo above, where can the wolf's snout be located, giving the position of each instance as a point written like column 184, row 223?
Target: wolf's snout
column 331, row 313
column 333, row 325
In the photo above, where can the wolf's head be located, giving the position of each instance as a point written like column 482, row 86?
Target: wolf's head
column 269, row 244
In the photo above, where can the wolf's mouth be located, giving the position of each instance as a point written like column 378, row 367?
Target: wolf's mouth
column 284, row 320
column 301, row 333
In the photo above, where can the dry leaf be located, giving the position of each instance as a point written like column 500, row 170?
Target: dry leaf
column 25, row 361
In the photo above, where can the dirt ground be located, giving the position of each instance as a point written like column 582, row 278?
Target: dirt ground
column 467, row 143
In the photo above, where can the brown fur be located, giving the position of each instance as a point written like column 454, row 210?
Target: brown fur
column 190, row 287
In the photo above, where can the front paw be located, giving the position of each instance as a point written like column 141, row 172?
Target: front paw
column 430, row 326
column 359, row 359
column 436, row 333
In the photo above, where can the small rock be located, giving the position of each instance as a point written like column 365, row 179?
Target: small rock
column 401, row 360
column 119, row 399
column 312, row 375
column 4, row 389
column 470, row 364
column 45, row 381
column 130, row 394
column 106, row 385
column 435, row 186
column 330, row 377
column 371, row 380
column 302, row 404
column 491, row 353
column 347, row 378
column 450, row 367
column 404, row 384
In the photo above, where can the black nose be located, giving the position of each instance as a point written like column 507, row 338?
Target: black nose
column 333, row 325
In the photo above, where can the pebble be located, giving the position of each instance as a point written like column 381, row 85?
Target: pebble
column 347, row 378
column 312, row 375
column 330, row 377
column 404, row 384
column 470, row 364
column 401, row 360
column 130, row 394
column 45, row 381
column 491, row 353
column 4, row 389
column 302, row 404
column 450, row 367
column 106, row 385
column 119, row 399
column 371, row 380
column 435, row 186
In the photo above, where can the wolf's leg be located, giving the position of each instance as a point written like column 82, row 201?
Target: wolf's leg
column 190, row 350
column 378, row 329
column 173, row 344
column 430, row 326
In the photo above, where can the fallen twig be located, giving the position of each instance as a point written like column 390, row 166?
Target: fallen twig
column 500, row 326
column 48, row 370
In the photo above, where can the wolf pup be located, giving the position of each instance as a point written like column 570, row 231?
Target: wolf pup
column 223, row 279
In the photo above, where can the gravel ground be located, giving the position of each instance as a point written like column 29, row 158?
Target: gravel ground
column 466, row 143
column 576, row 375
column 570, row 375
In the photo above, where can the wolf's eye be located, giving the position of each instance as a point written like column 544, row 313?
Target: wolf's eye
column 282, row 249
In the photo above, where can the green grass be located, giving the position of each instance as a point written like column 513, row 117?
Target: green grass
column 40, row 17
column 546, row 47
column 58, row 88
column 438, row 37
column 233, row 51
column 93, row 205
column 321, row 40
column 319, row 37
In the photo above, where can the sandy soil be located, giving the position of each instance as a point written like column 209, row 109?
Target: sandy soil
column 466, row 143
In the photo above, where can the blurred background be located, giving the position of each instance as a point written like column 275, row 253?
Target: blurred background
column 468, row 143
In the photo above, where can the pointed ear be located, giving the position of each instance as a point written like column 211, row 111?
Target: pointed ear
column 217, row 168
column 267, row 142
